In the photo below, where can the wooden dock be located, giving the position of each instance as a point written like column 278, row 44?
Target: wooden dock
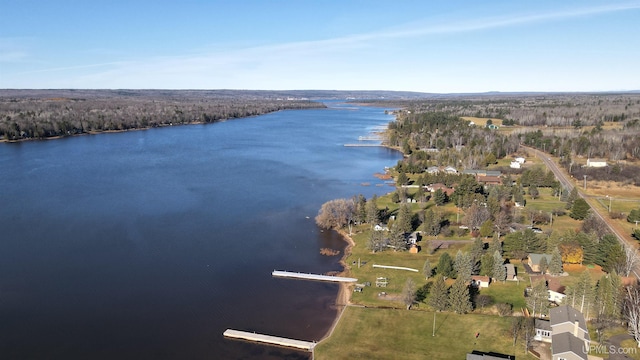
column 268, row 339
column 363, row 145
column 305, row 276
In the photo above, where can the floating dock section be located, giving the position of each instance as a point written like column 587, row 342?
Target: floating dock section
column 304, row 276
column 268, row 339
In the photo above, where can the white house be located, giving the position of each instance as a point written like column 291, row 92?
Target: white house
column 520, row 160
column 450, row 170
column 480, row 281
column 433, row 170
column 380, row 227
column 543, row 330
column 596, row 163
column 515, row 165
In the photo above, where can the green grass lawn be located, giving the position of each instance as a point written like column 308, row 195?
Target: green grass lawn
column 547, row 203
column 510, row 292
column 367, row 333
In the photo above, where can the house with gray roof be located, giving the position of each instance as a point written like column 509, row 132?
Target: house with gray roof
column 570, row 338
column 543, row 330
column 565, row 346
column 511, row 272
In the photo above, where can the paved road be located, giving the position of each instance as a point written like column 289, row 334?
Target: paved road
column 617, row 352
column 568, row 184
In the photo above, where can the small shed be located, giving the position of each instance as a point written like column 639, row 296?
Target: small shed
column 511, row 272
column 480, row 281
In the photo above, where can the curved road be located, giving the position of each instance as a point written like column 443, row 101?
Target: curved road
column 568, row 184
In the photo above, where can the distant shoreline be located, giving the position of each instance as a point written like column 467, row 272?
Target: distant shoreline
column 142, row 128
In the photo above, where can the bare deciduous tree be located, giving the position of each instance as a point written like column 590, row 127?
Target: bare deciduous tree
column 632, row 311
column 631, row 259
column 409, row 293
column 336, row 214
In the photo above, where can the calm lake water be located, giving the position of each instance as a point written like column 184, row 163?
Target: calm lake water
column 149, row 244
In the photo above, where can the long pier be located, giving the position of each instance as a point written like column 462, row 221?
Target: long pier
column 362, row 145
column 305, row 276
column 268, row 339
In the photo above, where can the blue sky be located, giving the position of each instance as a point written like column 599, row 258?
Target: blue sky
column 428, row 46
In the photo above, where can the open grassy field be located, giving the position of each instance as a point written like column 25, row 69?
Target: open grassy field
column 510, row 292
column 366, row 333
column 547, row 203
column 482, row 121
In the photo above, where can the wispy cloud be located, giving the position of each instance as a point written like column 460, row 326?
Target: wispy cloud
column 274, row 62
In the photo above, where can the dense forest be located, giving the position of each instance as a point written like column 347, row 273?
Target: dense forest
column 38, row 114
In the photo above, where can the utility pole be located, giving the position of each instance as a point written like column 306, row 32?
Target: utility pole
column 585, row 182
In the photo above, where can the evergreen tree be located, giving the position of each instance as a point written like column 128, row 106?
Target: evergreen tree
column 590, row 247
column 518, row 195
column 499, row 270
column 439, row 197
column 486, row 229
column 432, row 223
column 544, row 265
column 420, row 194
column 608, row 302
column 580, row 209
column 361, row 213
column 495, row 245
column 611, row 254
column 573, row 195
column 427, row 270
column 514, row 246
column 404, row 219
column 579, row 296
column 463, row 266
column 445, row 266
column 532, row 242
column 486, row 265
column 477, row 249
column 439, row 296
column 555, row 266
column 402, row 179
column 634, row 215
column 459, row 299
column 533, row 192
column 396, row 238
column 373, row 215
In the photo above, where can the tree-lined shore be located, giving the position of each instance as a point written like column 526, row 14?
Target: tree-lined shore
column 41, row 114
